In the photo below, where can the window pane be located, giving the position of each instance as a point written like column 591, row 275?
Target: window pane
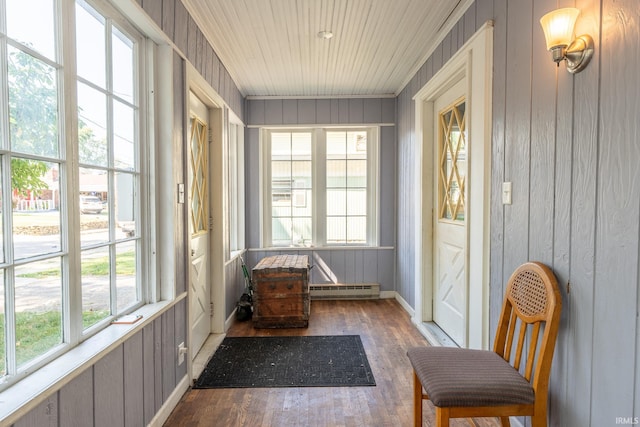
column 301, row 146
column 122, row 52
column 3, row 353
column 346, row 186
column 281, row 231
column 234, row 169
column 301, row 202
column 357, row 145
column 92, row 126
column 90, row 44
column 199, row 177
column 280, row 146
column 2, row 210
column 124, row 201
column 301, row 231
column 336, row 230
column 336, row 147
column 38, row 308
column 336, row 173
column 356, row 230
column 291, row 182
column 124, row 136
column 356, row 202
column 126, row 286
column 96, row 300
column 94, row 218
column 36, row 215
column 357, row 173
column 280, row 205
column 301, row 174
column 281, row 173
column 336, row 202
column 31, row 23
column 33, row 105
column 452, row 162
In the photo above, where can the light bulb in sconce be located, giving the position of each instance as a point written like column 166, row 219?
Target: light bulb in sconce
column 558, row 31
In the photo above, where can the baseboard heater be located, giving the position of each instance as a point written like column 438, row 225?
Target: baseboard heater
column 344, row 291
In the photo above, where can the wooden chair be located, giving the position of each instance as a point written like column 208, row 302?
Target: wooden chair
column 464, row 383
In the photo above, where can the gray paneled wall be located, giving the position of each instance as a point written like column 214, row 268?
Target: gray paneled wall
column 234, row 284
column 174, row 20
column 477, row 14
column 569, row 144
column 366, row 265
column 344, row 266
column 127, row 387
column 273, row 112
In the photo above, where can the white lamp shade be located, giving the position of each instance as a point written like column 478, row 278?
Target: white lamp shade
column 558, row 26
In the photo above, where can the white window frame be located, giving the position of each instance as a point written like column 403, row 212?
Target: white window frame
column 70, row 252
column 318, row 143
column 234, row 176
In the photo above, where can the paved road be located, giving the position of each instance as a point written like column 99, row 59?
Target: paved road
column 45, row 294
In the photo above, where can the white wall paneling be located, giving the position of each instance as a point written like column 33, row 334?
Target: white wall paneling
column 568, row 143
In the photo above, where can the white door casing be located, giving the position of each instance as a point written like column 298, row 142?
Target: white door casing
column 450, row 282
column 199, row 286
column 210, row 107
column 472, row 65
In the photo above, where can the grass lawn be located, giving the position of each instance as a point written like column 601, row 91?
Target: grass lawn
column 36, row 333
column 125, row 265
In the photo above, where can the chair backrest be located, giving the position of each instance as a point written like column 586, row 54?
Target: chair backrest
column 532, row 299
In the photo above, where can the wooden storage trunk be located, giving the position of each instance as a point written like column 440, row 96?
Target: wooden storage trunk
column 281, row 292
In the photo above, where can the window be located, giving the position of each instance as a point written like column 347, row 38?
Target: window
column 320, row 187
column 235, row 187
column 70, row 156
column 453, row 158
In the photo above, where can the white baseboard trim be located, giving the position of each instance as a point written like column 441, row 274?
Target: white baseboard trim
column 405, row 305
column 169, row 405
column 229, row 321
column 388, row 294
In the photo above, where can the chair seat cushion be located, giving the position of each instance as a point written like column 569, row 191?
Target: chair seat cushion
column 464, row 377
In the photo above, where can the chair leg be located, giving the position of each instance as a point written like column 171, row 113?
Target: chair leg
column 442, row 417
column 505, row 422
column 417, row 401
column 539, row 420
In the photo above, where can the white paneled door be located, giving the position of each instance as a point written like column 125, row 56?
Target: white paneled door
column 450, row 292
column 200, row 289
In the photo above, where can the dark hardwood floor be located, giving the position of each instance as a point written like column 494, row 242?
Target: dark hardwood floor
column 386, row 332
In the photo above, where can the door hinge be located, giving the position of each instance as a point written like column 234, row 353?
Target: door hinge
column 210, row 223
column 211, row 309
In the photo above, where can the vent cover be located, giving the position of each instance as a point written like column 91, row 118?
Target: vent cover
column 342, row 291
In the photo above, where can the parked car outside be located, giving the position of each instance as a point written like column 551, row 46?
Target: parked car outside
column 90, row 204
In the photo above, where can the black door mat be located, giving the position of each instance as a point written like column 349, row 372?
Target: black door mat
column 300, row 361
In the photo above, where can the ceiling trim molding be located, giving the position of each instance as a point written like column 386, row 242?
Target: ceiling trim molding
column 453, row 18
column 276, row 97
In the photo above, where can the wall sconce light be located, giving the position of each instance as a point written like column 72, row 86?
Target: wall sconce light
column 558, row 32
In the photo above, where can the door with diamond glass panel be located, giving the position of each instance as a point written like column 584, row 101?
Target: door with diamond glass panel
column 200, row 290
column 450, row 229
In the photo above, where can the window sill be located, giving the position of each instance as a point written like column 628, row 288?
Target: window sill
column 18, row 399
column 235, row 254
column 320, row 248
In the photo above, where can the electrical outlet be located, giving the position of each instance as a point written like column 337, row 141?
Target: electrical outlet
column 182, row 350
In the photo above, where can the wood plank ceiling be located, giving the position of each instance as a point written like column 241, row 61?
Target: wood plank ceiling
column 272, row 48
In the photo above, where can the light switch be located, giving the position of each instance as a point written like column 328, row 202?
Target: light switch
column 180, row 193
column 506, row 193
